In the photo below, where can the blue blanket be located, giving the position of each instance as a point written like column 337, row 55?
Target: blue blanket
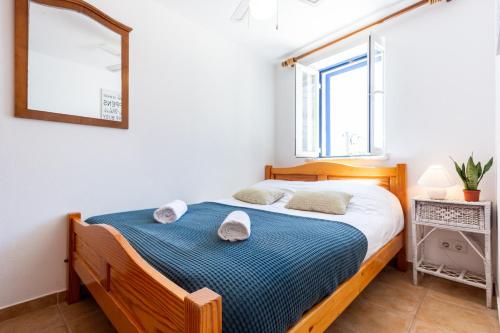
column 266, row 282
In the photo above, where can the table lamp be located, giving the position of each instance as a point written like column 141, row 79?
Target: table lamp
column 436, row 179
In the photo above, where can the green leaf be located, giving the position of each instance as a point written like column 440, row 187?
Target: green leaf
column 479, row 170
column 486, row 168
column 459, row 171
column 471, row 174
column 471, row 186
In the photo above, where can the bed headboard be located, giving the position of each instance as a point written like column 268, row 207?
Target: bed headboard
column 391, row 178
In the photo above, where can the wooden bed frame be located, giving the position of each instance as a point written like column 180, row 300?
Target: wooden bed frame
column 137, row 298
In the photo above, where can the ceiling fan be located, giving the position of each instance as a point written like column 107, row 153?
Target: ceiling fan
column 257, row 9
column 261, row 9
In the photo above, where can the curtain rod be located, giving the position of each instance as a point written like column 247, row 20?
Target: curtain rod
column 292, row 61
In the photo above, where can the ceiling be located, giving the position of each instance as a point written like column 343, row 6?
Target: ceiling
column 73, row 36
column 300, row 23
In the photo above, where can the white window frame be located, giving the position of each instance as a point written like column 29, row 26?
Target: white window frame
column 306, row 111
column 376, row 43
column 308, row 106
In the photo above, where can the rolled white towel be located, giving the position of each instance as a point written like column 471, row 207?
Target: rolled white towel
column 236, row 227
column 170, row 212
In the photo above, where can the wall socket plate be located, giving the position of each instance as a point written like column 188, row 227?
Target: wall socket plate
column 454, row 245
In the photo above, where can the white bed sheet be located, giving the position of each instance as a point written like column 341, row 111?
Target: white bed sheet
column 373, row 210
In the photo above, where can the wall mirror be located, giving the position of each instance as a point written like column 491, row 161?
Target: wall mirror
column 71, row 64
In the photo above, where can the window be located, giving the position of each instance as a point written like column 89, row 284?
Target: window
column 340, row 104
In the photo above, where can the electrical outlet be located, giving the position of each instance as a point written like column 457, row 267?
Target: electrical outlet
column 444, row 244
column 459, row 246
column 453, row 245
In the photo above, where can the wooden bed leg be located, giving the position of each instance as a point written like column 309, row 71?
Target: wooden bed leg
column 74, row 282
column 203, row 312
column 401, row 262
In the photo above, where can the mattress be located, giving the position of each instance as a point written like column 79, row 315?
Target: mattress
column 373, row 210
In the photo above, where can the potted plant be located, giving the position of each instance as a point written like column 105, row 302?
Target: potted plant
column 471, row 175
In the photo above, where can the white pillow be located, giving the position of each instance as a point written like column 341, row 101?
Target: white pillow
column 259, row 196
column 328, row 202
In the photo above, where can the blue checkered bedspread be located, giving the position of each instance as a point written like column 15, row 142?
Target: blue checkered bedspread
column 267, row 282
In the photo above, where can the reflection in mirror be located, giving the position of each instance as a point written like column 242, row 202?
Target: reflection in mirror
column 77, row 69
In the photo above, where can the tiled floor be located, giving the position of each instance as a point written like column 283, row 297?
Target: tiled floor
column 391, row 304
column 83, row 317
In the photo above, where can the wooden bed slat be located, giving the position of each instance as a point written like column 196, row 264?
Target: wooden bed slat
column 335, row 169
column 113, row 310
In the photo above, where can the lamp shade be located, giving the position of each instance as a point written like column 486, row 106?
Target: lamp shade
column 436, row 176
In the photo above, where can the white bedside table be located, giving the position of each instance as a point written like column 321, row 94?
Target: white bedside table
column 458, row 216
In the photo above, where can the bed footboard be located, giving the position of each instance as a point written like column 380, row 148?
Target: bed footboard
column 134, row 296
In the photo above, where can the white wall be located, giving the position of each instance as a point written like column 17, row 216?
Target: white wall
column 497, row 141
column 440, row 95
column 497, row 144
column 64, row 86
column 201, row 126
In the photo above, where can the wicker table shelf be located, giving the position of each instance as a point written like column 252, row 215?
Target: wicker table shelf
column 458, row 216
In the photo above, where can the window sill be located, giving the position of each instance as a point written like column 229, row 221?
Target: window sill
column 384, row 157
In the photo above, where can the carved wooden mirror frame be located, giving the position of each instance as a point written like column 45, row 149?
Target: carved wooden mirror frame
column 21, row 62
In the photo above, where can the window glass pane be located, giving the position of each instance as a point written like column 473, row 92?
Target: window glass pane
column 377, row 94
column 378, row 69
column 351, row 107
column 346, row 107
column 307, row 112
column 378, row 123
